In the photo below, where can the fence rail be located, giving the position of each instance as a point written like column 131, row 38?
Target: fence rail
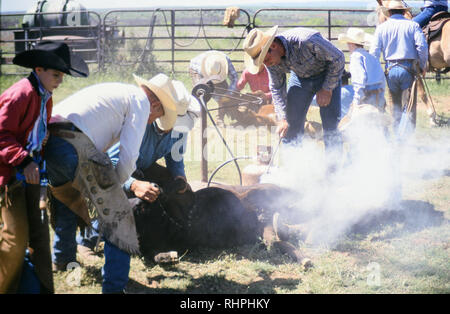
column 167, row 38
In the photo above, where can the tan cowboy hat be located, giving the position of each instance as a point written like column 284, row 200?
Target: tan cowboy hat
column 393, row 5
column 356, row 36
column 215, row 66
column 256, row 45
column 163, row 88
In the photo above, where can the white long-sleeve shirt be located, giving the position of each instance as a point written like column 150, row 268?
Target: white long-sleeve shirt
column 108, row 113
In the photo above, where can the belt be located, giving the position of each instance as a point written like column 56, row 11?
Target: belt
column 69, row 126
column 404, row 62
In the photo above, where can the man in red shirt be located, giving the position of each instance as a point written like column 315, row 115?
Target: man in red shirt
column 25, row 110
column 259, row 83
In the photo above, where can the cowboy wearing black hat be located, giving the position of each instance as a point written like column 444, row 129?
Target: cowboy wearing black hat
column 25, row 110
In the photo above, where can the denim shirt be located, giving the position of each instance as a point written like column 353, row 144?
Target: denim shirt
column 154, row 146
column 308, row 54
column 431, row 3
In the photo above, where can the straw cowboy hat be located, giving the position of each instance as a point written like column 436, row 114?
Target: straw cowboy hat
column 52, row 55
column 356, row 36
column 162, row 86
column 256, row 45
column 215, row 66
column 393, row 5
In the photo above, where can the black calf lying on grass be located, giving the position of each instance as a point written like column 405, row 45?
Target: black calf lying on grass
column 211, row 217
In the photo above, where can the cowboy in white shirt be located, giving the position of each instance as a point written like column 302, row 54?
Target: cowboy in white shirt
column 105, row 114
column 83, row 127
column 108, row 113
column 366, row 72
column 112, row 115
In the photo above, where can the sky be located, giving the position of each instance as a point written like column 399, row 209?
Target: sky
column 23, row 5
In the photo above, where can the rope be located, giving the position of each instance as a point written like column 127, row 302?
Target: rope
column 441, row 121
column 205, row 37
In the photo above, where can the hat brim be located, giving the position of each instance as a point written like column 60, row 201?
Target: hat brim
column 386, row 10
column 253, row 65
column 224, row 65
column 46, row 59
column 346, row 39
column 167, row 121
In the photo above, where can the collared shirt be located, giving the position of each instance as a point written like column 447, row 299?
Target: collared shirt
column 39, row 130
column 108, row 113
column 156, row 145
column 308, row 54
column 400, row 39
column 259, row 81
column 430, row 3
column 367, row 73
column 196, row 67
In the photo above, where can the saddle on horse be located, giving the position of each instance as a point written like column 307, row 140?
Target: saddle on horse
column 434, row 27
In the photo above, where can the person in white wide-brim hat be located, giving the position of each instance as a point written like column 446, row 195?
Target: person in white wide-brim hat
column 256, row 45
column 215, row 66
column 366, row 72
column 173, row 112
column 135, row 126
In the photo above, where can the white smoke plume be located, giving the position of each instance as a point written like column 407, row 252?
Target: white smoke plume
column 370, row 180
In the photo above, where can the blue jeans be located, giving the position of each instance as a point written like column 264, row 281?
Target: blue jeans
column 29, row 282
column 62, row 162
column 424, row 17
column 300, row 94
column 116, row 269
column 398, row 80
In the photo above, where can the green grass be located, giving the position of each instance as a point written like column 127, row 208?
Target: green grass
column 410, row 258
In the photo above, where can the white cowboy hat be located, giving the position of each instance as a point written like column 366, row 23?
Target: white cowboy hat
column 356, row 36
column 161, row 85
column 393, row 5
column 185, row 121
column 256, row 45
column 215, row 66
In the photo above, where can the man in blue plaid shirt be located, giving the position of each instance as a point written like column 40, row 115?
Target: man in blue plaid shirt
column 315, row 68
